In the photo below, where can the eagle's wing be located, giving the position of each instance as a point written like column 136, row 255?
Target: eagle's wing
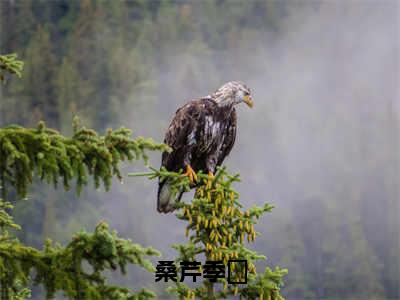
column 181, row 135
column 229, row 138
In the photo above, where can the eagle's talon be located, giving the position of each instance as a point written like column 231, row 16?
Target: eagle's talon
column 210, row 179
column 191, row 174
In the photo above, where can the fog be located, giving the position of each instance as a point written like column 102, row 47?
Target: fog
column 321, row 144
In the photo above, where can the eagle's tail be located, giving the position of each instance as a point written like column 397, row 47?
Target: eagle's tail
column 165, row 198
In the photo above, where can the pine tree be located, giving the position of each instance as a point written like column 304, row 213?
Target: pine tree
column 50, row 156
column 217, row 228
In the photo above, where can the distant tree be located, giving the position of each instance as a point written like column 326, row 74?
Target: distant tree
column 17, row 36
column 38, row 82
column 69, row 89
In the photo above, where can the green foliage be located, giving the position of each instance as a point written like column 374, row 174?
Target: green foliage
column 110, row 60
column 53, row 156
column 66, row 268
column 217, row 228
column 10, row 64
column 6, row 221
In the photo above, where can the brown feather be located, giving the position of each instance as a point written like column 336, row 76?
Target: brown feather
column 201, row 134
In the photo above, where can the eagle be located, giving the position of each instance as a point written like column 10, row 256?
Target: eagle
column 201, row 135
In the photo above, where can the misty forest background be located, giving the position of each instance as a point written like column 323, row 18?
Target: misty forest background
column 321, row 144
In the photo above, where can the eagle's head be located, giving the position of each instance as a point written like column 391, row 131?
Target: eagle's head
column 232, row 93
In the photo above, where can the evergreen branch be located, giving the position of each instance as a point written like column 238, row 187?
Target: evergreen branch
column 217, row 227
column 6, row 220
column 53, row 156
column 26, row 151
column 61, row 268
column 11, row 64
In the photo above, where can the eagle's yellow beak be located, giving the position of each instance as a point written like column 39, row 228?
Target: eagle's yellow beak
column 247, row 99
